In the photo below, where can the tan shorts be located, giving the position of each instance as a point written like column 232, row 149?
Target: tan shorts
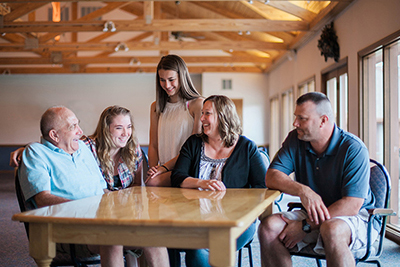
column 358, row 225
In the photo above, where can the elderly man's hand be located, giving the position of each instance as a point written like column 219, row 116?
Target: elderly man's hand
column 315, row 207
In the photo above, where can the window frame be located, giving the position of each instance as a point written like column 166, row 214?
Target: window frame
column 389, row 139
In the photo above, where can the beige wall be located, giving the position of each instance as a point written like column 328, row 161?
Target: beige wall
column 360, row 25
column 23, row 99
column 250, row 87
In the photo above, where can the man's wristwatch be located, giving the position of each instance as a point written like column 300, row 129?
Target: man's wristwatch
column 306, row 227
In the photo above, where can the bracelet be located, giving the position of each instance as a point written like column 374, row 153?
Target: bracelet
column 165, row 167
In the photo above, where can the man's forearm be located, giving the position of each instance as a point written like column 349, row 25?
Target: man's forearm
column 45, row 198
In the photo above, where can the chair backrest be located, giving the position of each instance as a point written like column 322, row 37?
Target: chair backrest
column 265, row 157
column 23, row 205
column 380, row 184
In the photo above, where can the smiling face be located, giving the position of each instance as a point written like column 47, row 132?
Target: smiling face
column 307, row 121
column 209, row 120
column 169, row 81
column 68, row 132
column 120, row 130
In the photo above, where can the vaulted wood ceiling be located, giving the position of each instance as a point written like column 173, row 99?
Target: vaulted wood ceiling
column 211, row 36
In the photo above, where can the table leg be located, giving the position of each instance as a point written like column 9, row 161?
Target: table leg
column 41, row 246
column 222, row 247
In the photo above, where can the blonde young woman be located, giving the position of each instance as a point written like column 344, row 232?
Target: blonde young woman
column 116, row 149
column 175, row 115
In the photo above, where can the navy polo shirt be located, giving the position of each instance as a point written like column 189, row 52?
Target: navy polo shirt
column 342, row 170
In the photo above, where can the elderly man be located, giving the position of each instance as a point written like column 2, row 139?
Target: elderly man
column 61, row 169
column 331, row 169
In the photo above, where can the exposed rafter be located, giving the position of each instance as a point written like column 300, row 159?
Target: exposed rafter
column 212, row 36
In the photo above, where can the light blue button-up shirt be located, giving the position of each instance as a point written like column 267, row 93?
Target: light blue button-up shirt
column 46, row 167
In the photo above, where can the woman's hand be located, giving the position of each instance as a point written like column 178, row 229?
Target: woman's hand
column 155, row 171
column 213, row 185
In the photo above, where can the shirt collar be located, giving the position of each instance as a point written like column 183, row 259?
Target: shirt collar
column 332, row 147
column 57, row 149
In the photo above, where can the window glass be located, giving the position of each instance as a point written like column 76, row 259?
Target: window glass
column 381, row 113
column 274, row 129
column 287, row 113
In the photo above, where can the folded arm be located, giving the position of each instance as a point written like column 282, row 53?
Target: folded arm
column 45, row 198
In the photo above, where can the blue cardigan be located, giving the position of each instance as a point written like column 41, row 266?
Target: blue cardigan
column 243, row 169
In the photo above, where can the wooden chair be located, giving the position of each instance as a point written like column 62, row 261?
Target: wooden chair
column 380, row 186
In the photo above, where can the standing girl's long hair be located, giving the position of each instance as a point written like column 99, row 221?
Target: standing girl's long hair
column 187, row 91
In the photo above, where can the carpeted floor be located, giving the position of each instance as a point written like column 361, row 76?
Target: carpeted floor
column 14, row 243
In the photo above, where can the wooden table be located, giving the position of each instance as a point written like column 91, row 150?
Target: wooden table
column 150, row 216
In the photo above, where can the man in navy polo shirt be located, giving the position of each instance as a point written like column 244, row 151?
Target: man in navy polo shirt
column 331, row 170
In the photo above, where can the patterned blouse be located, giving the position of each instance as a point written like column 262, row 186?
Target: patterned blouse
column 125, row 176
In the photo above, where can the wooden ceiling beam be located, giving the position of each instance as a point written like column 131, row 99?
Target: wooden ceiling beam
column 110, row 46
column 13, row 38
column 93, row 15
column 292, row 9
column 194, row 25
column 127, row 60
column 218, row 10
column 134, row 39
column 22, row 10
column 64, row 70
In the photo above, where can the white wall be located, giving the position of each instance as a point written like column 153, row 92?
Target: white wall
column 363, row 23
column 24, row 98
column 252, row 88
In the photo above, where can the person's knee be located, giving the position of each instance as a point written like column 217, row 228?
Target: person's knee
column 111, row 250
column 271, row 227
column 335, row 230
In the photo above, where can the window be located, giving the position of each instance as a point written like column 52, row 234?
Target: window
column 274, row 129
column 380, row 89
column 64, row 12
column 287, row 113
column 335, row 86
column 226, row 84
column 307, row 86
column 89, row 9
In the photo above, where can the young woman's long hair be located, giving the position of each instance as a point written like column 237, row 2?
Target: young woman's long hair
column 187, row 91
column 104, row 143
column 229, row 126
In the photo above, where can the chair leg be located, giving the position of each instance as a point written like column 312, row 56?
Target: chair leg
column 250, row 256
column 240, row 258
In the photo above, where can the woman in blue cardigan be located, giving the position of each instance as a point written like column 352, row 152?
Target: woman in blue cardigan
column 218, row 158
